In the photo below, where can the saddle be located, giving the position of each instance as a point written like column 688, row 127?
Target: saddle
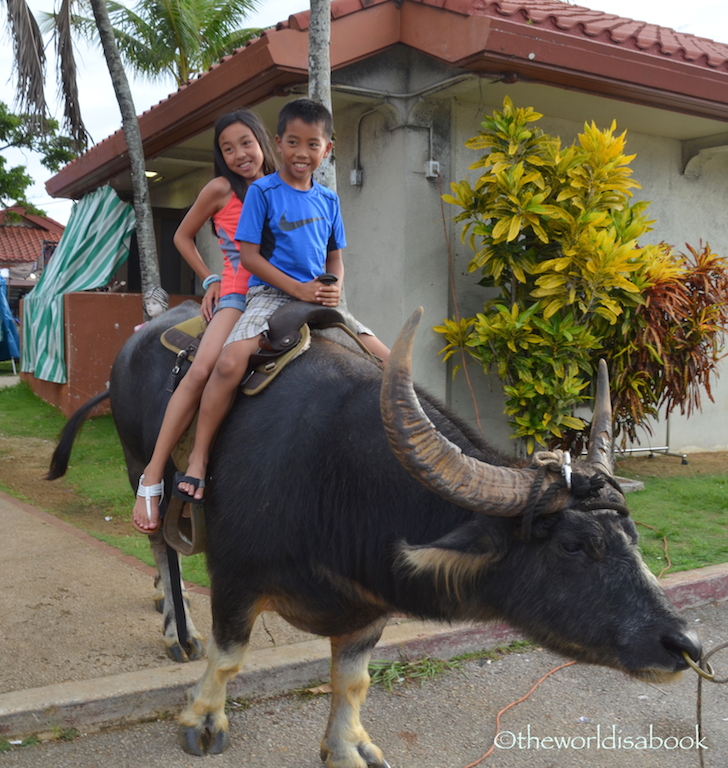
column 287, row 337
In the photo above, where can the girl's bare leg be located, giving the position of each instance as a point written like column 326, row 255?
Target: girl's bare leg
column 217, row 400
column 181, row 409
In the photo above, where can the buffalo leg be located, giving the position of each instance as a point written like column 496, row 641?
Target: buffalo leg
column 195, row 648
column 346, row 744
column 203, row 724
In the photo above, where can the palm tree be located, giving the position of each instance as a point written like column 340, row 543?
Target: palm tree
column 180, row 38
column 30, row 73
column 29, row 70
column 319, row 74
column 146, row 242
column 155, row 39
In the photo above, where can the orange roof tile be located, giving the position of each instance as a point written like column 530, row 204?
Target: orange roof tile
column 23, row 241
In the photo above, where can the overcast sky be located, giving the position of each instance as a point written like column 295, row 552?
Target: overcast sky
column 706, row 18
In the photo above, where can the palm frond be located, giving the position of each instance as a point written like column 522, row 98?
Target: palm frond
column 67, row 78
column 29, row 59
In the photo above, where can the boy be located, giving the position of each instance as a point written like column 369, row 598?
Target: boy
column 290, row 232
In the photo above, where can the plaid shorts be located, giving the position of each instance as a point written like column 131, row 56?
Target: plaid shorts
column 261, row 302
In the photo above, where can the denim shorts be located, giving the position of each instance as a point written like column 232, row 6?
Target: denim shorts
column 231, row 301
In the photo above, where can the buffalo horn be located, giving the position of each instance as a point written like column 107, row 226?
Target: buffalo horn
column 436, row 462
column 600, row 435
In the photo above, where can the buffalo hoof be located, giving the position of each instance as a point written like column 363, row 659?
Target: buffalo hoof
column 177, row 653
column 366, row 754
column 201, row 741
column 159, row 604
column 195, row 650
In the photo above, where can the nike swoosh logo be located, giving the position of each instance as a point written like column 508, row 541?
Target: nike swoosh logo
column 289, row 226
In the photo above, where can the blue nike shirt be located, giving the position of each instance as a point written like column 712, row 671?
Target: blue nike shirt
column 295, row 230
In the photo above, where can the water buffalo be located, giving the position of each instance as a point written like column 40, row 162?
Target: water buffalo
column 336, row 510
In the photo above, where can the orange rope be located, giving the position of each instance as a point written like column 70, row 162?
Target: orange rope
column 513, row 704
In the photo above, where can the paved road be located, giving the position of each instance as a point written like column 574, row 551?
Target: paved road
column 449, row 722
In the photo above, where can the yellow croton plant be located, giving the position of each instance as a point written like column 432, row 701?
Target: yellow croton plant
column 556, row 239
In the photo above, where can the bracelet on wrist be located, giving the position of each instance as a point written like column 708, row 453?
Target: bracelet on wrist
column 209, row 280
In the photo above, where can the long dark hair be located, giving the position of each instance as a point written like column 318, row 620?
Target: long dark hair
column 252, row 121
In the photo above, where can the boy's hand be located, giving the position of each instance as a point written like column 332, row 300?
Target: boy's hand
column 318, row 293
column 328, row 294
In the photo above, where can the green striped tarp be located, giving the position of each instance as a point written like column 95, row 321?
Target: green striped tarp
column 93, row 245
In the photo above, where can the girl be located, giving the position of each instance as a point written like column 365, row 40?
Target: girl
column 243, row 154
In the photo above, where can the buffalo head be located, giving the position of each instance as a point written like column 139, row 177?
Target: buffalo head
column 555, row 556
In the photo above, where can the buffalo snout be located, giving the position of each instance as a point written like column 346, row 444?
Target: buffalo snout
column 688, row 641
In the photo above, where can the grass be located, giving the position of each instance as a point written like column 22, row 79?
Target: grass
column 194, row 567
column 6, row 368
column 691, row 513
column 390, row 673
column 493, row 654
column 97, row 470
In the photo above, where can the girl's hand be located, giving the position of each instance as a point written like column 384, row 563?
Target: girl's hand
column 209, row 301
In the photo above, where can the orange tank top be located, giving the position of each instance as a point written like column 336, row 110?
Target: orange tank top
column 234, row 276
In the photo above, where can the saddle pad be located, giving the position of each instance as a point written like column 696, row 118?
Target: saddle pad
column 261, row 376
column 185, row 335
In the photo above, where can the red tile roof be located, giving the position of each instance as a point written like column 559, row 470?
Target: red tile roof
column 572, row 19
column 628, row 33
column 22, row 242
column 544, row 41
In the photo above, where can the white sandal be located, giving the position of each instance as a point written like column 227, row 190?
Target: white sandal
column 148, row 492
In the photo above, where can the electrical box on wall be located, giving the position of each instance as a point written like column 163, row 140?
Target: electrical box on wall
column 355, row 177
column 432, row 169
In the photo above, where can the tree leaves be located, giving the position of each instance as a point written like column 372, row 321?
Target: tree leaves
column 180, row 38
column 23, row 132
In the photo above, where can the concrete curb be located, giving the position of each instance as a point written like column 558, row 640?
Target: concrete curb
column 99, row 703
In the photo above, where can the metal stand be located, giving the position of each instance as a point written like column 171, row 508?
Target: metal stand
column 661, row 449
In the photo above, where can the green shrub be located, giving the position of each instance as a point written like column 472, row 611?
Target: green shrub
column 554, row 232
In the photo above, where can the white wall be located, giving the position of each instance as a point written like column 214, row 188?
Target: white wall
column 396, row 259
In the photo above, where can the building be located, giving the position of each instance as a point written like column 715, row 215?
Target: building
column 410, row 81
column 27, row 242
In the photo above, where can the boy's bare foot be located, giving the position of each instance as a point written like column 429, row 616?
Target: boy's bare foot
column 145, row 518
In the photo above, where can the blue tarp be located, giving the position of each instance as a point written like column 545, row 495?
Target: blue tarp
column 9, row 343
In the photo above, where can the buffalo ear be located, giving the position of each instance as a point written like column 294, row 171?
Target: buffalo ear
column 475, row 537
column 457, row 557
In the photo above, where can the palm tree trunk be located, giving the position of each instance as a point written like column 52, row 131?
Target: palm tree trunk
column 146, row 242
column 319, row 74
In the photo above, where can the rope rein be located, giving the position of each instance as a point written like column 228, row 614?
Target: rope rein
column 584, row 488
column 705, row 672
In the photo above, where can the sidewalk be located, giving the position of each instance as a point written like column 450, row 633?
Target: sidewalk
column 82, row 644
